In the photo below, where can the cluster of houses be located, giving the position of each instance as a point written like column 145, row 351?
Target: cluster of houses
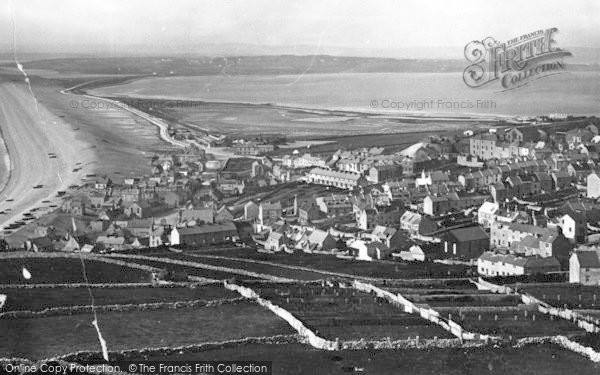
column 518, row 200
column 513, row 201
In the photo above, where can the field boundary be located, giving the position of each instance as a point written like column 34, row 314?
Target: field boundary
column 166, row 285
column 233, row 271
column 88, row 309
column 310, row 336
column 427, row 314
column 585, row 322
column 84, row 356
column 563, row 342
column 274, row 264
column 325, row 272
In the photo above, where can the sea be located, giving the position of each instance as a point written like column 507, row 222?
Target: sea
column 574, row 93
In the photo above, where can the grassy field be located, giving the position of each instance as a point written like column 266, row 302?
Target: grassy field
column 46, row 337
column 590, row 339
column 473, row 299
column 67, row 270
column 41, row 298
column 348, row 314
column 391, row 270
column 572, row 296
column 507, row 326
column 253, row 267
column 300, row 359
column 191, row 271
column 395, row 330
column 488, row 313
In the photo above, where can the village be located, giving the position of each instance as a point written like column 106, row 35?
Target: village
column 508, row 201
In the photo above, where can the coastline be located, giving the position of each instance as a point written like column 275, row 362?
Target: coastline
column 162, row 126
column 405, row 89
column 5, row 164
column 48, row 135
column 334, row 111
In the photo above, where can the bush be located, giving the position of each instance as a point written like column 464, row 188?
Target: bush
column 170, row 275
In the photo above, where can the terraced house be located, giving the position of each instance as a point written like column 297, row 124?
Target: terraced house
column 453, row 201
column 343, row 180
column 491, row 264
column 530, row 240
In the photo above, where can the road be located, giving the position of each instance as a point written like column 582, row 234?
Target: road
column 31, row 134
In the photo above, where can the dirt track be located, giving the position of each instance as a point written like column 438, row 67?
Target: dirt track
column 31, row 135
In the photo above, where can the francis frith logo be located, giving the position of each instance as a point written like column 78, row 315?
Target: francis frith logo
column 516, row 62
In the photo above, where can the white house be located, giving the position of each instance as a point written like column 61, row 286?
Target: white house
column 174, row 237
column 409, row 221
column 251, row 210
column 491, row 264
column 278, row 241
column 370, row 250
column 415, row 254
column 341, row 179
column 593, row 186
column 71, row 245
column 568, row 226
column 87, row 248
column 486, row 214
column 155, row 238
column 320, row 240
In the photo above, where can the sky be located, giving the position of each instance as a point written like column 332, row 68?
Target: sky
column 386, row 25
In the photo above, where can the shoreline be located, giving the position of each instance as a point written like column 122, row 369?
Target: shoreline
column 6, row 163
column 441, row 114
column 46, row 135
column 158, row 122
column 87, row 89
column 344, row 113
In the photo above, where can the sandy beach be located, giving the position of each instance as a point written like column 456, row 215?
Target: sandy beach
column 32, row 135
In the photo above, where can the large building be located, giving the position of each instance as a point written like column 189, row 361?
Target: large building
column 487, row 146
column 382, row 173
column 466, row 243
column 251, row 148
column 483, row 146
column 204, row 235
column 343, row 180
column 304, row 161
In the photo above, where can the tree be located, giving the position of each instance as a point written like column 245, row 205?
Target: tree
column 4, row 245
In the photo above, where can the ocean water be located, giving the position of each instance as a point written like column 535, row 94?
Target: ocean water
column 393, row 93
